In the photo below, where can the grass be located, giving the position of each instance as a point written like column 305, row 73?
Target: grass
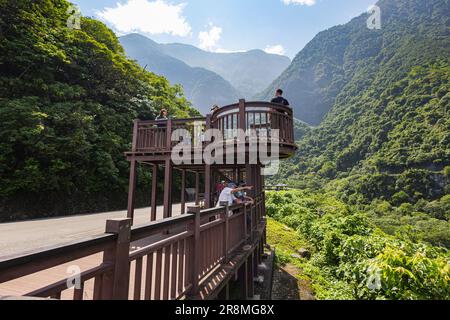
column 285, row 240
column 288, row 241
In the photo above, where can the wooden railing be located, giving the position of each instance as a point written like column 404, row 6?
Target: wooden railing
column 260, row 117
column 172, row 259
column 153, row 136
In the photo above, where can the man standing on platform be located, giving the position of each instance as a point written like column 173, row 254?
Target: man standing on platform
column 279, row 98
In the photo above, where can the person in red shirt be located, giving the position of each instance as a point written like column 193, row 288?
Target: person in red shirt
column 219, row 187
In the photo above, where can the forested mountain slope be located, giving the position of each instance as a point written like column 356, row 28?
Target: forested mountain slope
column 385, row 144
column 67, row 102
column 202, row 87
column 351, row 56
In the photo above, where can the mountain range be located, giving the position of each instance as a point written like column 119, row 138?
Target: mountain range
column 207, row 78
column 336, row 57
column 382, row 100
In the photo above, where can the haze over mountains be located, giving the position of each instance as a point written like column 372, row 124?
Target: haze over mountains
column 202, row 87
column 250, row 72
column 207, row 78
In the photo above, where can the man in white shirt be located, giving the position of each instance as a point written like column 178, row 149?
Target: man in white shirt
column 228, row 194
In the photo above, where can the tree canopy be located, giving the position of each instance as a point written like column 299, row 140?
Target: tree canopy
column 68, row 98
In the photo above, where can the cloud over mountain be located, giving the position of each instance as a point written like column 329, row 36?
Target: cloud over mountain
column 149, row 17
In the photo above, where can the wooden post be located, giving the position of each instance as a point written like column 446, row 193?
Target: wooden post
column 154, row 192
column 116, row 285
column 132, row 189
column 255, row 264
column 250, row 178
column 252, row 223
column 197, row 188
column 243, row 281
column 169, row 135
column 225, row 293
column 226, row 232
column 183, row 191
column 168, row 189
column 135, row 135
column 208, row 186
column 196, row 254
column 250, row 276
column 242, row 122
column 263, row 207
column 245, row 222
column 132, row 181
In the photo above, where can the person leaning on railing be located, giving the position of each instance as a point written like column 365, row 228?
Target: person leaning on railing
column 162, row 118
column 228, row 194
column 241, row 196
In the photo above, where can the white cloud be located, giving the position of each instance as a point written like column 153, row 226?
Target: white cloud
column 300, row 2
column 221, row 50
column 276, row 49
column 151, row 17
column 208, row 39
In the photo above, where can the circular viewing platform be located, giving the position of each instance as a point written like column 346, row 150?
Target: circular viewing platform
column 245, row 123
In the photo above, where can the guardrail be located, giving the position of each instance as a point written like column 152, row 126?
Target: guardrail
column 173, row 258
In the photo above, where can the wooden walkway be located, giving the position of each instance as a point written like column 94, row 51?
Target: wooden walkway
column 27, row 236
column 202, row 254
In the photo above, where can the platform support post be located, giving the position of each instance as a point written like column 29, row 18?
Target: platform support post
column 225, row 293
column 168, row 189
column 243, row 281
column 197, row 188
column 183, row 191
column 250, row 276
column 208, row 186
column 154, row 192
column 132, row 189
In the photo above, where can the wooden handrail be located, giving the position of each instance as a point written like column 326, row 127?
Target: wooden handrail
column 181, row 236
column 19, row 266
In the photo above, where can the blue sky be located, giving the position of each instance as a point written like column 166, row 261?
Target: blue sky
column 277, row 26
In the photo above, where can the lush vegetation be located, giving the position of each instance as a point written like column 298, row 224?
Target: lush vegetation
column 351, row 257
column 67, row 101
column 375, row 173
column 391, row 161
column 384, row 146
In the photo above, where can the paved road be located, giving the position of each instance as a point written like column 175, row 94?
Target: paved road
column 21, row 237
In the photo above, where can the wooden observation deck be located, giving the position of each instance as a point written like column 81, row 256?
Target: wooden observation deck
column 196, row 255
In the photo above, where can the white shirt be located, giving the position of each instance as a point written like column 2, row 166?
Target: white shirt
column 226, row 196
